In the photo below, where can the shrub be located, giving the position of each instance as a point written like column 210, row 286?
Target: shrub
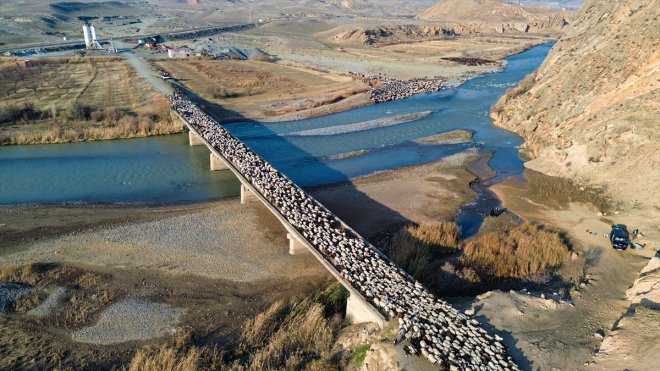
column 25, row 113
column 177, row 353
column 415, row 248
column 78, row 111
column 302, row 338
column 523, row 87
column 360, row 355
column 526, row 252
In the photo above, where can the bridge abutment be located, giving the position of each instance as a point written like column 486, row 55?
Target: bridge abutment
column 194, row 139
column 247, row 195
column 216, row 163
column 359, row 311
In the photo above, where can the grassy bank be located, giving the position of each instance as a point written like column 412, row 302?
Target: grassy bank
column 62, row 100
column 296, row 335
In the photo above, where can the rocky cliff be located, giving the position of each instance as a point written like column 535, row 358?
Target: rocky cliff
column 592, row 111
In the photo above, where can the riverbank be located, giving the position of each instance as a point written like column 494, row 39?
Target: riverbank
column 213, row 264
column 217, row 264
column 566, row 334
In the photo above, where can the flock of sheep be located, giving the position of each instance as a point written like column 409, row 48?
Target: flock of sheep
column 393, row 89
column 432, row 328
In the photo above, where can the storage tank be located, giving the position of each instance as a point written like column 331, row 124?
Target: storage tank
column 86, row 34
column 91, row 27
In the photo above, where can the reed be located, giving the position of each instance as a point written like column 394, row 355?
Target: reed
column 527, row 251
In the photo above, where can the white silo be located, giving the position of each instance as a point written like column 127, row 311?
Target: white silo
column 91, row 27
column 86, row 34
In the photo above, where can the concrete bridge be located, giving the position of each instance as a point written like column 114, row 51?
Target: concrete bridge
column 379, row 290
column 357, row 309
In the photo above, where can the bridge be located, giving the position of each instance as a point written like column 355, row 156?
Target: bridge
column 379, row 290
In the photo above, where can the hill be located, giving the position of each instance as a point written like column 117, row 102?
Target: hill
column 591, row 111
column 497, row 15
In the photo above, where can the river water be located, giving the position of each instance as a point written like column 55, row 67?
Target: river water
column 161, row 170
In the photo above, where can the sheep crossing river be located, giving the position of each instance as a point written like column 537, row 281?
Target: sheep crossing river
column 432, row 327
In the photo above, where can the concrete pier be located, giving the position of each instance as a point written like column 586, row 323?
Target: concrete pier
column 217, row 163
column 358, row 311
column 295, row 246
column 195, row 140
column 247, row 195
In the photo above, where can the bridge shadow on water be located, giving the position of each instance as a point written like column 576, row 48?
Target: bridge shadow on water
column 382, row 222
column 341, row 181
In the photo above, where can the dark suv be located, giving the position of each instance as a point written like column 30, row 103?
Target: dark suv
column 620, row 237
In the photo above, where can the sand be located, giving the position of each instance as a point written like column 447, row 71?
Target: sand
column 431, row 192
column 361, row 126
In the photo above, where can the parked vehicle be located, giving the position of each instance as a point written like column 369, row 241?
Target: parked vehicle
column 620, row 237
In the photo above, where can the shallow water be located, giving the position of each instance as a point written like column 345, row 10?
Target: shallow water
column 165, row 169
column 150, row 170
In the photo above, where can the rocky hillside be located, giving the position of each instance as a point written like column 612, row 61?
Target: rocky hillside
column 498, row 15
column 397, row 34
column 592, row 110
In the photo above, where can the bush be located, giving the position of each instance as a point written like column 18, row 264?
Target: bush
column 177, row 353
column 524, row 252
column 525, row 85
column 25, row 113
column 416, row 248
column 78, row 111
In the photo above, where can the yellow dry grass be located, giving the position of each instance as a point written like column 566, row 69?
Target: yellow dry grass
column 528, row 251
column 70, row 100
column 416, row 248
column 297, row 335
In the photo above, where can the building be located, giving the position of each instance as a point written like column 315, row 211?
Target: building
column 182, row 52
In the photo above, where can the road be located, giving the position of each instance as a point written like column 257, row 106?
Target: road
column 144, row 70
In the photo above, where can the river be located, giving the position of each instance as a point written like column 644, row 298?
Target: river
column 164, row 170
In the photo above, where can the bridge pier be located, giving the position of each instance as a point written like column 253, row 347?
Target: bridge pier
column 295, row 246
column 359, row 311
column 247, row 195
column 194, row 139
column 217, row 163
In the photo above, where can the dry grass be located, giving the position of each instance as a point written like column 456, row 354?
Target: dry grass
column 439, row 235
column 286, row 336
column 228, row 79
column 177, row 353
column 303, row 337
column 564, row 191
column 70, row 100
column 295, row 335
column 26, row 302
column 98, row 124
column 525, row 252
column 89, row 292
column 417, row 248
column 84, row 305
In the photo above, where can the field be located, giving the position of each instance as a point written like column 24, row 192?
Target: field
column 262, row 90
column 74, row 99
